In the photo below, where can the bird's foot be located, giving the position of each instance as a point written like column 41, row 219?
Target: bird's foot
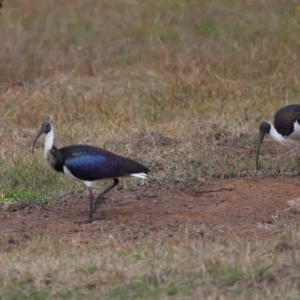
column 84, row 222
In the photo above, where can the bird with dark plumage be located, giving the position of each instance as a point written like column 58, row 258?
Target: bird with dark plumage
column 89, row 165
column 286, row 127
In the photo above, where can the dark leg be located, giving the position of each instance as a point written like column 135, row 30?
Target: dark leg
column 91, row 197
column 100, row 197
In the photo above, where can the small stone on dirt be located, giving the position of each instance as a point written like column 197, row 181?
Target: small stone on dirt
column 294, row 203
column 27, row 235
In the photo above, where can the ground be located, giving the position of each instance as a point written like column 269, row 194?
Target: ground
column 191, row 209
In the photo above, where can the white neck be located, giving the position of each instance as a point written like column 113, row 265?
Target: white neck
column 49, row 141
column 296, row 133
column 277, row 136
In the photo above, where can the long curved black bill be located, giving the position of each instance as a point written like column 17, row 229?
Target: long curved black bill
column 36, row 138
column 261, row 138
column 264, row 128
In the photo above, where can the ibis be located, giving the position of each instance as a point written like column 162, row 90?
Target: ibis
column 89, row 165
column 286, row 127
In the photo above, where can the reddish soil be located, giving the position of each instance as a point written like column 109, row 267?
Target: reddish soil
column 192, row 209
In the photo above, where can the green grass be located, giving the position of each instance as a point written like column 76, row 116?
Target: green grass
column 25, row 177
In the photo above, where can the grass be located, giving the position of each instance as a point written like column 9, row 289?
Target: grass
column 178, row 85
column 236, row 269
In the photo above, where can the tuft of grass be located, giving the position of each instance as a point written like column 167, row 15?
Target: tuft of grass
column 26, row 178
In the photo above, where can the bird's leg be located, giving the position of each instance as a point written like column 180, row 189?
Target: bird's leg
column 91, row 197
column 100, row 197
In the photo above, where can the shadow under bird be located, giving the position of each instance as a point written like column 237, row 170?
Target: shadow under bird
column 286, row 127
column 89, row 165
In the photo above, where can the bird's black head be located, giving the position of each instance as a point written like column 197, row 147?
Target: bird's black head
column 264, row 128
column 45, row 128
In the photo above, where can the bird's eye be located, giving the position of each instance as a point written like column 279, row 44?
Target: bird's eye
column 46, row 127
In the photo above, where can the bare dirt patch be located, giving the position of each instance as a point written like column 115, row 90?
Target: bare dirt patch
column 192, row 209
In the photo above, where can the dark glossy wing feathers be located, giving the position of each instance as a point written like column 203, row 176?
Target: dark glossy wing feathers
column 285, row 118
column 93, row 163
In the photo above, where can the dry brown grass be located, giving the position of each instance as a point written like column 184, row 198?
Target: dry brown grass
column 179, row 85
column 178, row 69
column 235, row 268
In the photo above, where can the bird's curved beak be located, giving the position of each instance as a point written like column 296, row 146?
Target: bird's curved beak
column 264, row 128
column 261, row 138
column 41, row 131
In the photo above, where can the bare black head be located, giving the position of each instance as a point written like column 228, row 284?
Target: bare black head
column 264, row 128
column 45, row 128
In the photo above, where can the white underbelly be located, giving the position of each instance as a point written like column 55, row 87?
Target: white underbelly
column 86, row 182
column 91, row 183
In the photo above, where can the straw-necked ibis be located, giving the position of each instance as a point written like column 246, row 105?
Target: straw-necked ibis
column 286, row 127
column 89, row 165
